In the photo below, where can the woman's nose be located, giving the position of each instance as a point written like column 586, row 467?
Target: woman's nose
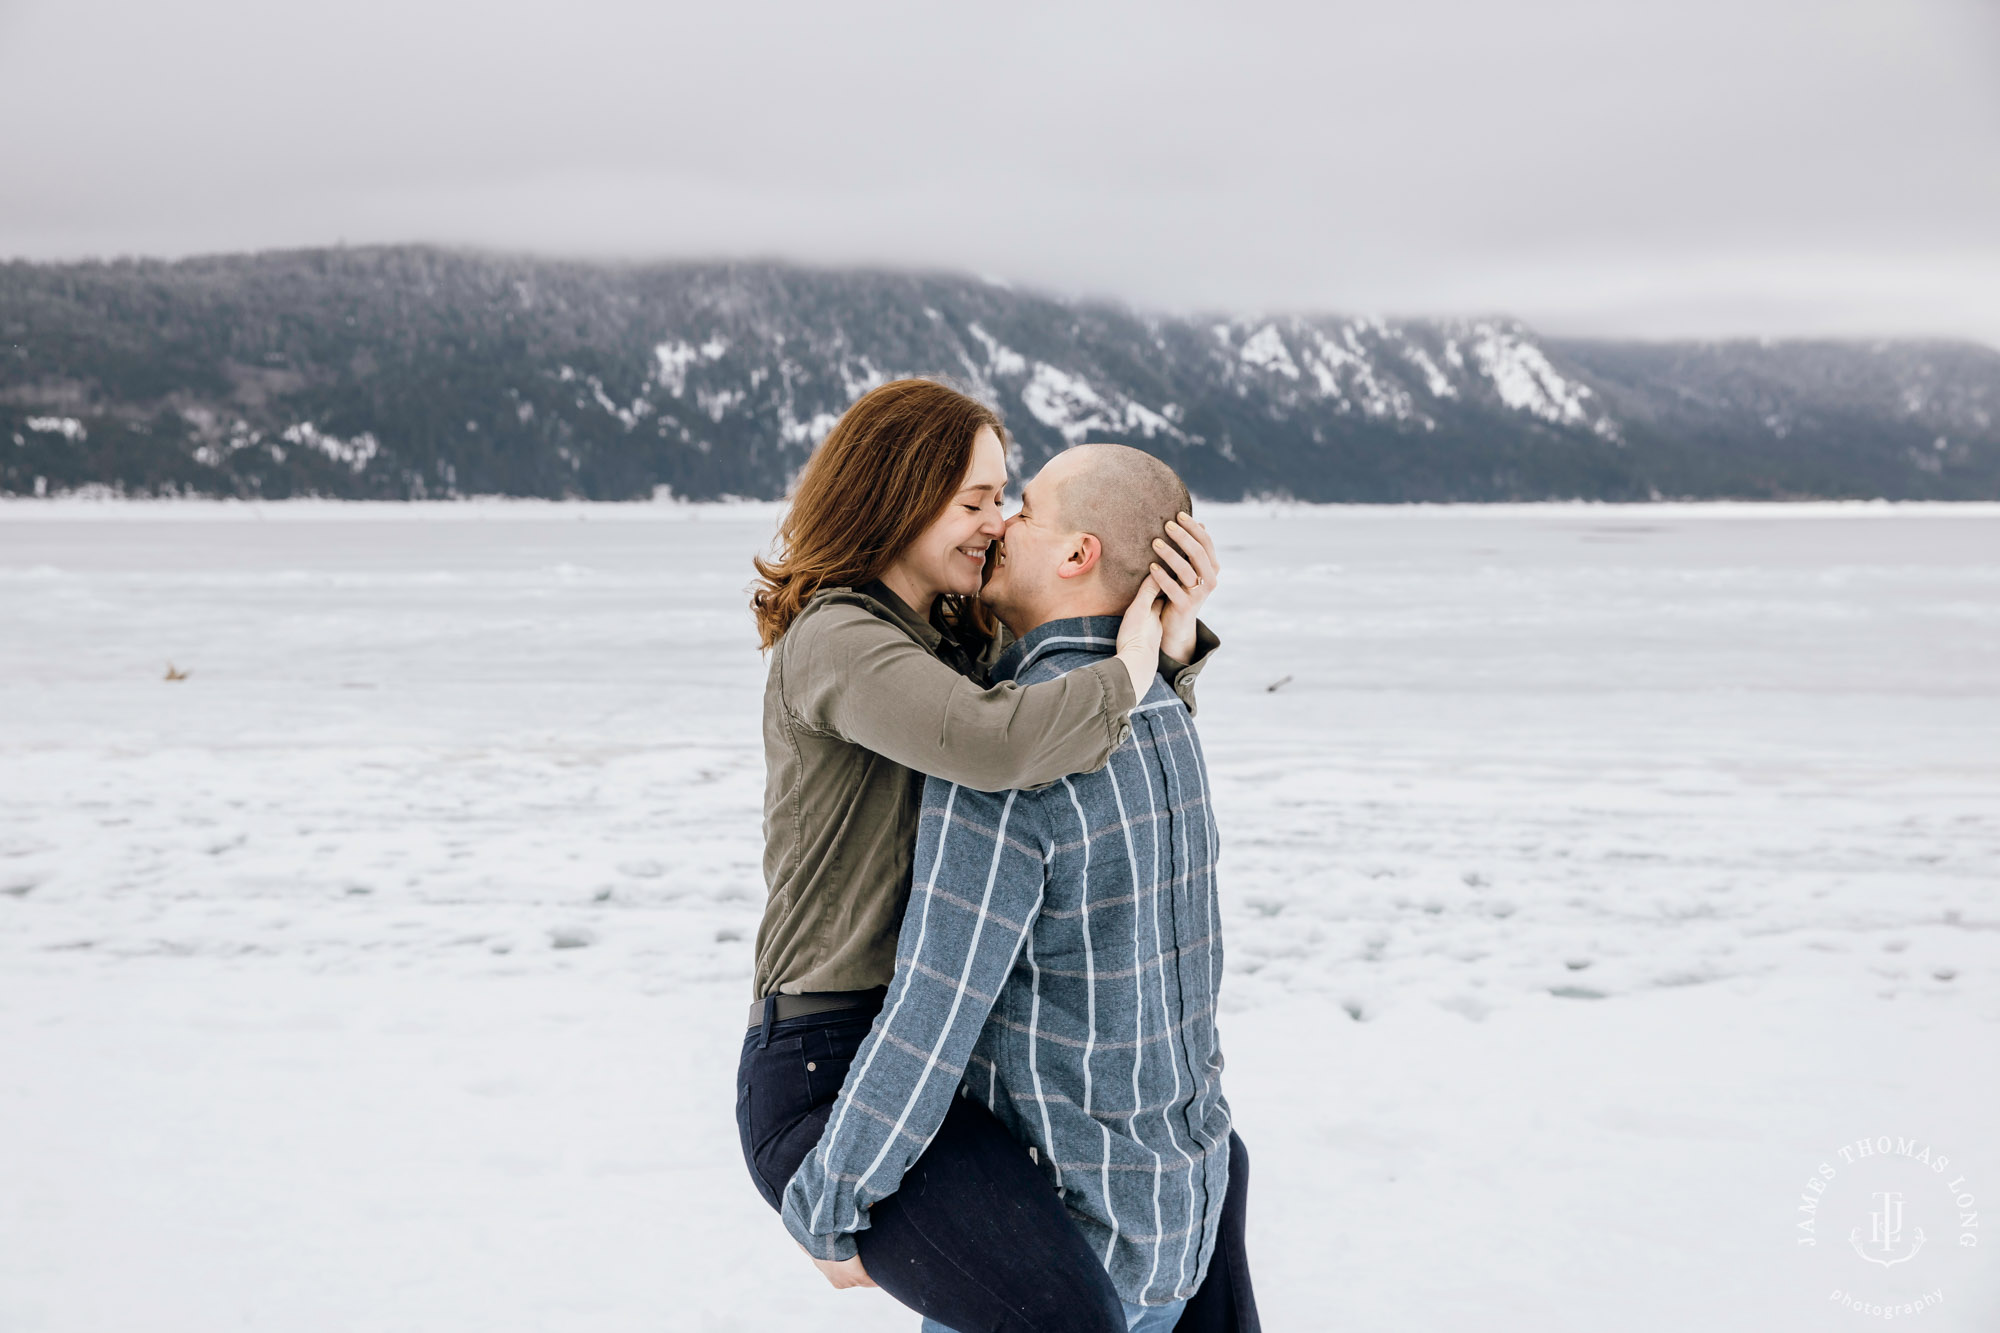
column 995, row 526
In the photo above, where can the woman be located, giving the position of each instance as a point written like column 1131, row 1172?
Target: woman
column 878, row 654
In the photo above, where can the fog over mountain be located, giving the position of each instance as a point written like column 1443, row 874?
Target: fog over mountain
column 408, row 372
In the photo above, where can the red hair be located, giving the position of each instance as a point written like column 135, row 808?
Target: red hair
column 887, row 469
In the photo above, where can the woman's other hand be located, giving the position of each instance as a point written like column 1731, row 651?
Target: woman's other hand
column 847, row 1273
column 1186, row 581
column 1139, row 637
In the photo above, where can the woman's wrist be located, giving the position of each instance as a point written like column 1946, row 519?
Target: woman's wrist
column 1140, row 665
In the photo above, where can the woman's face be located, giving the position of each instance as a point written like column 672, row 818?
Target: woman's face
column 949, row 556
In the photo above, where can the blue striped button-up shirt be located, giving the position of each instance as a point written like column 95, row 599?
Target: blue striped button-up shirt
column 1059, row 960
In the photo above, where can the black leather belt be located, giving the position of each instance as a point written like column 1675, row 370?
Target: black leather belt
column 777, row 1008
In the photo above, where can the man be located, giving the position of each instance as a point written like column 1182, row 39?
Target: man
column 1059, row 959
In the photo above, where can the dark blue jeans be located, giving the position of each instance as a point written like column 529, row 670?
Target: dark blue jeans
column 973, row 1237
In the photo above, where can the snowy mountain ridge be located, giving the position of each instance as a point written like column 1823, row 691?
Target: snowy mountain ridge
column 407, row 372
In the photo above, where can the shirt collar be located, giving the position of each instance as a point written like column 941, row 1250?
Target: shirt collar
column 926, row 633
column 1095, row 635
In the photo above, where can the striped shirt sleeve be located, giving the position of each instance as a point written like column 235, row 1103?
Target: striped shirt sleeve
column 976, row 889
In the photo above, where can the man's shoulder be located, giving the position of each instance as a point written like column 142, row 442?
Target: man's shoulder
column 1052, row 660
column 941, row 795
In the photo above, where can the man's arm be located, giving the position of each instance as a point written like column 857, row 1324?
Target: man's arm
column 976, row 889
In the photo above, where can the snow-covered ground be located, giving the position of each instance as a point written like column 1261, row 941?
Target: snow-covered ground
column 1593, row 876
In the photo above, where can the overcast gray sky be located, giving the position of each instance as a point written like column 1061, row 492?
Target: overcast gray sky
column 1699, row 167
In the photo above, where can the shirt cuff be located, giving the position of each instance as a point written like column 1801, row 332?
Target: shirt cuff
column 1181, row 676
column 834, row 1248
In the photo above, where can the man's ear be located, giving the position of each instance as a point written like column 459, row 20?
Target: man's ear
column 1082, row 558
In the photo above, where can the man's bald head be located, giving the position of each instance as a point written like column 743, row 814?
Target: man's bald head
column 1123, row 496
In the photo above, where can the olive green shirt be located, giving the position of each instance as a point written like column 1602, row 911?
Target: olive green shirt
column 864, row 698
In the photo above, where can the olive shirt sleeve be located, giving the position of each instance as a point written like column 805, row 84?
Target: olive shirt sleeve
column 851, row 673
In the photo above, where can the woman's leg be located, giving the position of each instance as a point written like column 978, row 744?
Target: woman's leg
column 976, row 1239
column 1224, row 1302
column 785, row 1088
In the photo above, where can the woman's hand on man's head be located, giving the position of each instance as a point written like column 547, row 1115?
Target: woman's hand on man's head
column 1185, row 579
column 1139, row 637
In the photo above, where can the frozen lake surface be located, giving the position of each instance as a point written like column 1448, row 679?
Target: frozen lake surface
column 1592, row 875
